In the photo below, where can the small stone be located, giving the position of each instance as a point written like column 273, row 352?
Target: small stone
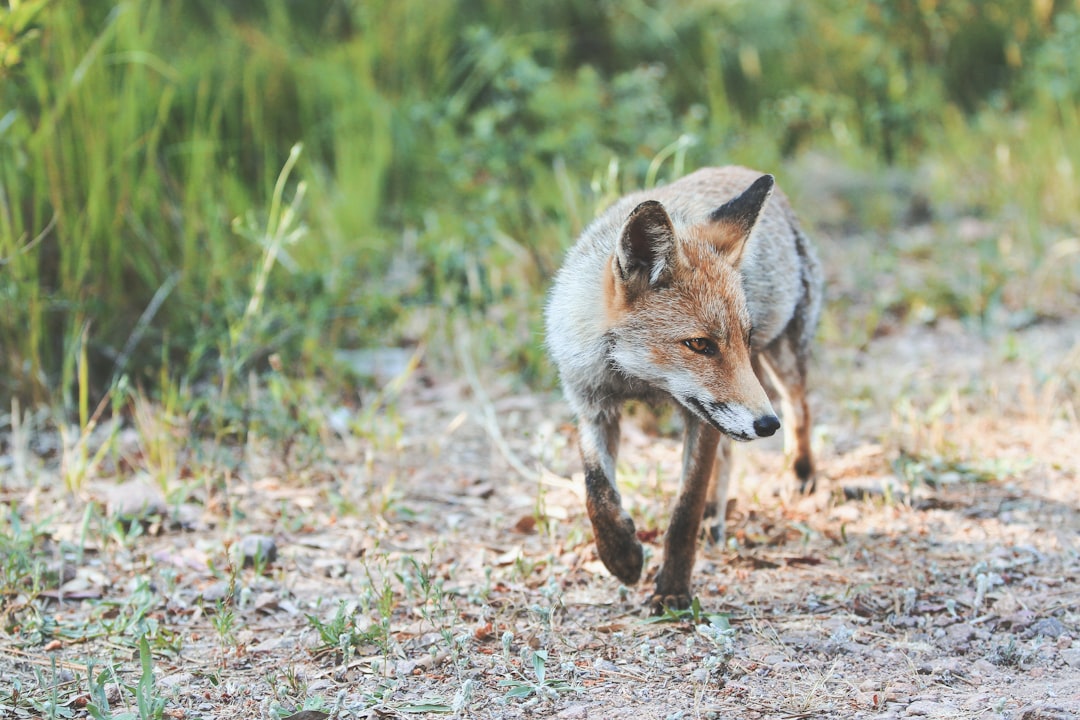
column 267, row 602
column 1043, row 711
column 217, row 591
column 1047, row 627
column 189, row 516
column 606, row 666
column 260, row 548
column 1071, row 657
column 977, row 702
column 181, row 679
column 136, row 499
column 309, row 715
column 577, row 711
column 930, row 708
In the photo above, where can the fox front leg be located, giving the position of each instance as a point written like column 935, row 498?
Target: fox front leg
column 680, row 544
column 613, row 528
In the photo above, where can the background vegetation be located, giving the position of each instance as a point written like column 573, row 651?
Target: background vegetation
column 155, row 233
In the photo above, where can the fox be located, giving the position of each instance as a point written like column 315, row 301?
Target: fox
column 705, row 293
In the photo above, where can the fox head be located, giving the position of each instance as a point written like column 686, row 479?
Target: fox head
column 677, row 314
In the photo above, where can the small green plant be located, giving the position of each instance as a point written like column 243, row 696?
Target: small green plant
column 224, row 622
column 77, row 464
column 149, row 705
column 421, row 583
column 693, row 615
column 937, row 471
column 1009, row 654
column 23, row 571
column 539, row 684
column 343, row 633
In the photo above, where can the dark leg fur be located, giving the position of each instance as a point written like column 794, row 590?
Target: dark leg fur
column 616, row 538
column 680, row 544
column 786, row 368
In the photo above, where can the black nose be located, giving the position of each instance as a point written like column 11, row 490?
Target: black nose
column 766, row 425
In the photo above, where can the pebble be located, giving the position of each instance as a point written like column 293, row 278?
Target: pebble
column 930, row 708
column 977, row 702
column 189, row 516
column 136, row 499
column 577, row 711
column 1043, row 711
column 253, row 547
column 1071, row 657
column 1047, row 627
column 181, row 679
column 216, row 592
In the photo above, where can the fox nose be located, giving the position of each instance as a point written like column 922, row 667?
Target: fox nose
column 766, row 425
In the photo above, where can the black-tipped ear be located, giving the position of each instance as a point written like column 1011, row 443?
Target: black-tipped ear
column 741, row 214
column 645, row 246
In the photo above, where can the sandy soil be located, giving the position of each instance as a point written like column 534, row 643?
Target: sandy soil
column 935, row 573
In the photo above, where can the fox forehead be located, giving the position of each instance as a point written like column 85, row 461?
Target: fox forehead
column 704, row 298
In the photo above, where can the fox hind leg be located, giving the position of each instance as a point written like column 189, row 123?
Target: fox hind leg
column 613, row 528
column 716, row 506
column 785, row 362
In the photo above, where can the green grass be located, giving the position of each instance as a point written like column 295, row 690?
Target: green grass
column 452, row 152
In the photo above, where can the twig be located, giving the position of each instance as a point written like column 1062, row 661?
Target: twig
column 491, row 425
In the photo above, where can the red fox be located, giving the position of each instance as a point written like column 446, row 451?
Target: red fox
column 698, row 293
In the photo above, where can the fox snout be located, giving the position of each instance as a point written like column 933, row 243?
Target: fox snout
column 736, row 421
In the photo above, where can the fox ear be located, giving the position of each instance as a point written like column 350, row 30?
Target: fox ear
column 645, row 247
column 739, row 216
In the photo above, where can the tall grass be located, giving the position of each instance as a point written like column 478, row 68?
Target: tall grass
column 452, row 150
column 130, row 150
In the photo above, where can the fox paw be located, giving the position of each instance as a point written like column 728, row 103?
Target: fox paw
column 672, row 590
column 619, row 549
column 714, row 521
column 661, row 601
column 804, row 470
column 714, row 532
column 713, row 525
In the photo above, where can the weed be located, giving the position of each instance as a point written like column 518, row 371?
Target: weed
column 433, row 604
column 23, row 571
column 940, row 471
column 224, row 622
column 539, row 684
column 1009, row 654
column 343, row 633
column 721, row 638
column 693, row 615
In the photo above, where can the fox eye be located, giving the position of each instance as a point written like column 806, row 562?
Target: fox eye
column 702, row 346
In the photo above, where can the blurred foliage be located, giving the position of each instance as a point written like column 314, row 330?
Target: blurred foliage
column 451, row 151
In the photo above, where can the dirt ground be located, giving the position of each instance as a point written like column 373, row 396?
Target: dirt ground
column 935, row 573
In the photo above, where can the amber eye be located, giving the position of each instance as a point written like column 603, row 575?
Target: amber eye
column 702, row 346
